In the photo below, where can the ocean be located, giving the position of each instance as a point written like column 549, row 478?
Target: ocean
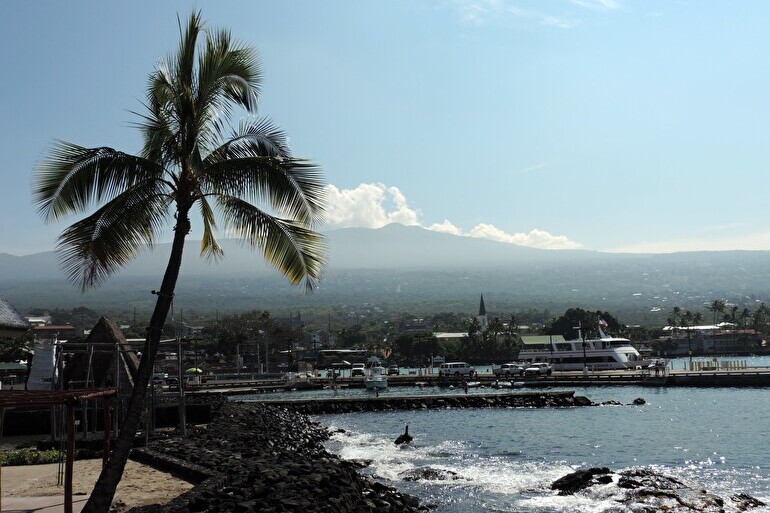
column 506, row 459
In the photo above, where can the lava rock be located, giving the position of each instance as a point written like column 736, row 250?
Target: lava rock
column 428, row 474
column 578, row 480
column 646, row 490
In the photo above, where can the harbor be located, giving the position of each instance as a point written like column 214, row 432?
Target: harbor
column 733, row 376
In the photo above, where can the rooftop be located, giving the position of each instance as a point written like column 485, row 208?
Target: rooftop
column 10, row 318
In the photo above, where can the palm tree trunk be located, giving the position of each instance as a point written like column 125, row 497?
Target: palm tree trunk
column 104, row 490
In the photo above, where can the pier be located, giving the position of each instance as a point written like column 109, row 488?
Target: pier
column 743, row 377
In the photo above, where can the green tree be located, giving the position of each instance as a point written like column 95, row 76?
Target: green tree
column 760, row 317
column 187, row 162
column 566, row 325
column 717, row 306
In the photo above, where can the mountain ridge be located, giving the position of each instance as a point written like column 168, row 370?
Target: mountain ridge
column 412, row 268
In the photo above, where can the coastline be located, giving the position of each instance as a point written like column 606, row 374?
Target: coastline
column 265, row 459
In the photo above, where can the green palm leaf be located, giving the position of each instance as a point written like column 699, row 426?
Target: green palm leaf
column 209, row 246
column 74, row 177
column 294, row 249
column 96, row 246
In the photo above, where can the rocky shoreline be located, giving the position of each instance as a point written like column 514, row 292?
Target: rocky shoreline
column 646, row 490
column 269, row 458
column 261, row 458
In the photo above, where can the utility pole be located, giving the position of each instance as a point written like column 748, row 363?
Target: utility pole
column 267, row 355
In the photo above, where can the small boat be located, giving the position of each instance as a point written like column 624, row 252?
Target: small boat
column 376, row 379
column 474, row 384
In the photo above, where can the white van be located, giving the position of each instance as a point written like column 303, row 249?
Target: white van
column 455, row 369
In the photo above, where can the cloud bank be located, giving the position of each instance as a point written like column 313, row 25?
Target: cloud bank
column 374, row 205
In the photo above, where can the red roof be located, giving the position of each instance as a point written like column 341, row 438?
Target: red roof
column 54, row 328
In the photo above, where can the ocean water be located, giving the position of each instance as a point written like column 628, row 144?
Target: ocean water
column 506, row 459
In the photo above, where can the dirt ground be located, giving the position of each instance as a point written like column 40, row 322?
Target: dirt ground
column 141, row 484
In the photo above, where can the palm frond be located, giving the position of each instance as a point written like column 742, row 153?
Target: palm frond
column 188, row 41
column 72, row 178
column 228, row 75
column 296, row 251
column 228, row 71
column 209, row 247
column 293, row 188
column 256, row 163
column 98, row 245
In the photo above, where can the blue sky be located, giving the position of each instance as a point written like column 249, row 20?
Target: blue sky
column 611, row 125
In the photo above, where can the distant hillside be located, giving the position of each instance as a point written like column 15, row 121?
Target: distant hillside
column 412, row 269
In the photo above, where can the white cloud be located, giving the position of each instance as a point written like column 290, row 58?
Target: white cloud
column 476, row 12
column 370, row 205
column 557, row 21
column 604, row 5
column 445, row 227
column 479, row 12
column 374, row 205
column 535, row 238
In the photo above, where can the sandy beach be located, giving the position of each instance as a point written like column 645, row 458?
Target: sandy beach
column 141, row 484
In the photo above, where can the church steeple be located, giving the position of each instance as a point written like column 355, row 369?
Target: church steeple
column 482, row 317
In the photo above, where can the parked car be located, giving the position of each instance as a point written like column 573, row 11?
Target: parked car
column 510, row 369
column 393, row 370
column 456, row 369
column 358, row 369
column 538, row 369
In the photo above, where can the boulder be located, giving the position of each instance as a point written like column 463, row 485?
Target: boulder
column 647, row 490
column 578, row 480
column 428, row 474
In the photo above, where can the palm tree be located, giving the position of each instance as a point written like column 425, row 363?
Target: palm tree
column 717, row 306
column 759, row 319
column 687, row 322
column 187, row 162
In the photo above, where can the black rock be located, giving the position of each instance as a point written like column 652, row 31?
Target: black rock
column 428, row 474
column 744, row 502
column 578, row 480
column 639, row 401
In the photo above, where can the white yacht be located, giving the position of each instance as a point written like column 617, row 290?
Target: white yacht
column 376, row 379
column 604, row 353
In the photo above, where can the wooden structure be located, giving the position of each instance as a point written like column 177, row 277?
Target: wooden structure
column 70, row 399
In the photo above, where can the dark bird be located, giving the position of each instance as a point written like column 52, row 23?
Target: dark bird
column 405, row 438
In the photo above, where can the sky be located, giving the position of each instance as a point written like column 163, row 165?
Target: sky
column 609, row 125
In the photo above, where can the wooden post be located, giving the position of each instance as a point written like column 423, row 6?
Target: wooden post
column 2, row 417
column 70, row 458
column 107, row 432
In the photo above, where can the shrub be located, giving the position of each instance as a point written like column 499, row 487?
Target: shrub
column 29, row 457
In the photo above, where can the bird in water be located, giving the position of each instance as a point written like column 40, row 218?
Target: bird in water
column 404, row 438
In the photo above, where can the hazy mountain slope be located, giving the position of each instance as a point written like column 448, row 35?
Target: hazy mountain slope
column 407, row 268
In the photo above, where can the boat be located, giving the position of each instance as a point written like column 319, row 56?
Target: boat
column 603, row 353
column 376, row 379
column 507, row 384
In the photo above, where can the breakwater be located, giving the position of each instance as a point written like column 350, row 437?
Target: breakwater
column 427, row 402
